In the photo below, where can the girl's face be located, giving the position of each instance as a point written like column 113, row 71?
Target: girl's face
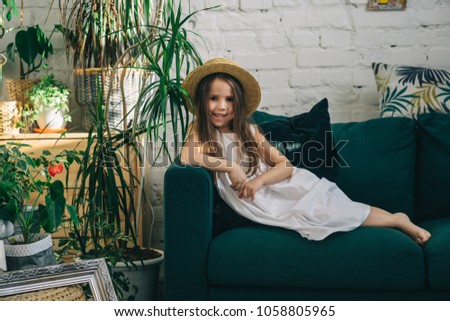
column 221, row 103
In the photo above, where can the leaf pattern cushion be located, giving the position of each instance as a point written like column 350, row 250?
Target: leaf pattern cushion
column 411, row 91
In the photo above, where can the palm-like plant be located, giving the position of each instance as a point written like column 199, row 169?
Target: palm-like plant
column 106, row 186
column 100, row 35
column 98, row 32
column 168, row 57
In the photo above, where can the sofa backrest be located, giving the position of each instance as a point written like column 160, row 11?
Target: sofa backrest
column 379, row 162
column 433, row 167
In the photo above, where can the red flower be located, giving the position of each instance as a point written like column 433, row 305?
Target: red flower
column 55, row 169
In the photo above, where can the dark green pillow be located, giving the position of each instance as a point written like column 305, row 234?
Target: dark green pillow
column 305, row 139
column 379, row 156
column 433, row 170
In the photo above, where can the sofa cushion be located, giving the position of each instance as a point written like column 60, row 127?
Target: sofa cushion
column 437, row 254
column 378, row 159
column 368, row 258
column 433, row 167
column 304, row 139
column 411, row 91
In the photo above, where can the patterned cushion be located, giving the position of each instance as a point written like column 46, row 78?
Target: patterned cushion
column 411, row 91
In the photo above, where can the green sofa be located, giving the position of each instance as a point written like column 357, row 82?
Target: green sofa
column 394, row 163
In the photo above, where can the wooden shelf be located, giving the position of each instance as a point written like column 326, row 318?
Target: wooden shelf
column 22, row 136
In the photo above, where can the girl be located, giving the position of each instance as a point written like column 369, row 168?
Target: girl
column 253, row 177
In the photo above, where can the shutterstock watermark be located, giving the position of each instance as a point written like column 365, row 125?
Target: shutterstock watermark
column 310, row 154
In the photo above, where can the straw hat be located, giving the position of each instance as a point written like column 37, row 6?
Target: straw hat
column 252, row 91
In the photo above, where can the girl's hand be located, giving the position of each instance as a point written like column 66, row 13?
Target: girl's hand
column 237, row 177
column 250, row 188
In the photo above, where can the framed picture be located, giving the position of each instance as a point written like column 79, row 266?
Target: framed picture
column 90, row 274
column 386, row 5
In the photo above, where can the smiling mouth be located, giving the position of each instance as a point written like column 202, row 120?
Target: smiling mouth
column 219, row 115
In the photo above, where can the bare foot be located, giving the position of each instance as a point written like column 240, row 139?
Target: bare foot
column 417, row 233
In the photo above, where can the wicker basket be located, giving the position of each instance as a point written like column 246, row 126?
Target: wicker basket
column 65, row 293
column 16, row 89
column 117, row 115
column 86, row 94
column 9, row 116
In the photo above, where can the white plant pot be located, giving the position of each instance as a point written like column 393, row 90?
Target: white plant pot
column 145, row 277
column 23, row 256
column 51, row 119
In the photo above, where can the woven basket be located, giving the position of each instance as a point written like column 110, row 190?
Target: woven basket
column 9, row 116
column 16, row 89
column 86, row 94
column 65, row 293
column 131, row 84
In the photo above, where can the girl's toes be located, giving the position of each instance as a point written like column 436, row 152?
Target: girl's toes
column 423, row 237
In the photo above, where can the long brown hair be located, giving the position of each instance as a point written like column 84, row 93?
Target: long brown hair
column 239, row 125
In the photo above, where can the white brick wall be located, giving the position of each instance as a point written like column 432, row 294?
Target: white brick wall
column 302, row 46
column 301, row 51
column 324, row 46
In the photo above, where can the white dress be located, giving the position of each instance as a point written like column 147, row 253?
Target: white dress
column 313, row 207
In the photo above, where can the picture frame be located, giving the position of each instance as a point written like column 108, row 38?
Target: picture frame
column 93, row 272
column 386, row 5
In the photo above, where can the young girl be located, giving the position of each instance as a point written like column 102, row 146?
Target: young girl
column 253, row 177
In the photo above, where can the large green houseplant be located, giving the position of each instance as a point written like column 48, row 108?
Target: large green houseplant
column 106, row 186
column 100, row 35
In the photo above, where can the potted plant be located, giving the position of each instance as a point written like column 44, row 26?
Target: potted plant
column 48, row 105
column 23, row 175
column 107, row 186
column 101, row 38
column 31, row 46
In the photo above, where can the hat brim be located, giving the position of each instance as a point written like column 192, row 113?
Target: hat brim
column 251, row 89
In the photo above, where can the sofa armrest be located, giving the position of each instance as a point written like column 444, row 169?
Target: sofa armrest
column 188, row 208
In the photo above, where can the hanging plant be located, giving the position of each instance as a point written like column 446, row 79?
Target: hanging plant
column 33, row 47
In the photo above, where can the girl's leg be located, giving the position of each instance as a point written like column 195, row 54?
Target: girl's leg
column 379, row 217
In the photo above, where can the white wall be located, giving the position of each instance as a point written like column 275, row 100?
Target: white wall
column 300, row 51
column 304, row 50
